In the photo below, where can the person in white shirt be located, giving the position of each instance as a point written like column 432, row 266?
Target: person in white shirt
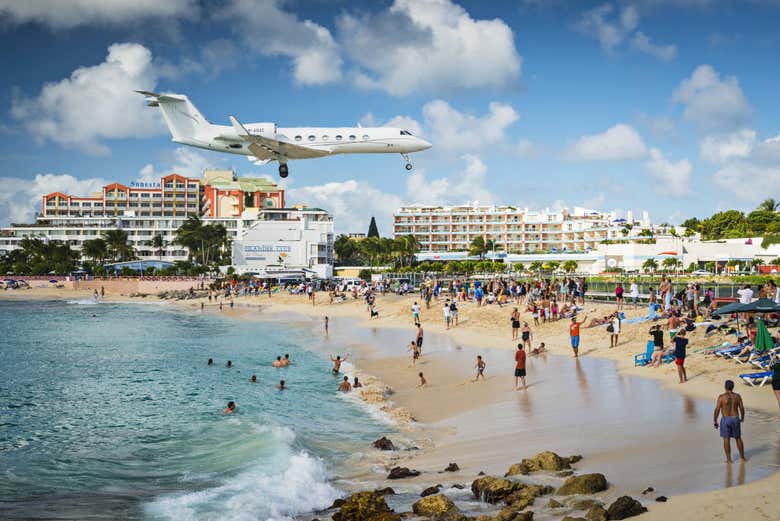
column 613, row 338
column 745, row 295
column 634, row 292
column 447, row 313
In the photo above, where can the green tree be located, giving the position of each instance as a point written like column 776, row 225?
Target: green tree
column 95, row 249
column 769, row 205
column 373, row 231
column 158, row 243
column 670, row 263
column 650, row 266
column 551, row 265
column 479, row 247
column 345, row 249
column 535, row 266
column 117, row 245
column 569, row 266
column 206, row 244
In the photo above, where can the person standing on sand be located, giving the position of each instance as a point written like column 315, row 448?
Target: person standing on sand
column 619, row 295
column 419, row 337
column 416, row 314
column 730, row 404
column 480, row 367
column 774, row 365
column 415, row 352
column 526, row 335
column 574, row 333
column 423, row 381
column 680, row 343
column 447, row 314
column 634, row 292
column 520, row 367
column 614, row 332
column 326, row 324
column 345, row 386
column 515, row 319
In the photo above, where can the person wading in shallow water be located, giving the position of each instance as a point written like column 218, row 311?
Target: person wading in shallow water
column 730, row 405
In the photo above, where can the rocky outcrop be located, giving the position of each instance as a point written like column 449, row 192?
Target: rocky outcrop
column 585, row 504
column 492, row 490
column 584, row 484
column 554, row 504
column 570, row 518
column 402, row 472
column 365, row 506
column 527, row 494
column 512, row 514
column 625, row 507
column 384, row 444
column 387, row 491
column 438, row 507
column 543, row 461
column 596, row 513
column 452, row 467
column 430, row 491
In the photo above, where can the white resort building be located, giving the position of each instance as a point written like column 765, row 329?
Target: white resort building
column 245, row 206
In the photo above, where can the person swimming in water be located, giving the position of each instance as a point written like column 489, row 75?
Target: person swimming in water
column 344, row 386
column 278, row 362
column 229, row 364
column 210, row 362
column 282, row 386
column 357, row 383
column 253, row 379
column 286, row 359
column 337, row 363
column 231, row 408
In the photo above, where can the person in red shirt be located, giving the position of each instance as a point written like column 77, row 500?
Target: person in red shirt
column 520, row 367
column 574, row 333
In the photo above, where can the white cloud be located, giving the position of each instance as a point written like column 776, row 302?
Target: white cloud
column 612, row 29
column 470, row 184
column 720, row 149
column 428, row 45
column 644, row 43
column 66, row 14
column 752, row 176
column 352, row 204
column 20, row 198
column 661, row 126
column 673, row 178
column 95, row 103
column 617, row 143
column 271, row 31
column 713, row 103
column 452, row 131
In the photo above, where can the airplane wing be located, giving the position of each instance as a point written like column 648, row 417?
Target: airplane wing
column 267, row 148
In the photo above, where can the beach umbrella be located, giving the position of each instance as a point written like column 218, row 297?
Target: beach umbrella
column 734, row 307
column 762, row 305
column 763, row 338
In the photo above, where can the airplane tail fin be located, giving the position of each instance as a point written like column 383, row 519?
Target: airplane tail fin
column 184, row 120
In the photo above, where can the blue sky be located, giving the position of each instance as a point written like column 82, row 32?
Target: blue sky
column 664, row 106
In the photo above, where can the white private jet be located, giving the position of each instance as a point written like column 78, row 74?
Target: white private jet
column 265, row 142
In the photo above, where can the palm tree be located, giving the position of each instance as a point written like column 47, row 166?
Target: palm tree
column 117, row 245
column 670, row 262
column 479, row 246
column 158, row 243
column 95, row 249
column 569, row 266
column 769, row 205
column 650, row 265
column 535, row 266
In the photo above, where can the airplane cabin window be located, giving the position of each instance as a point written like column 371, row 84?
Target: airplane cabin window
column 298, row 138
column 338, row 138
column 325, row 137
column 352, row 138
column 365, row 137
column 312, row 138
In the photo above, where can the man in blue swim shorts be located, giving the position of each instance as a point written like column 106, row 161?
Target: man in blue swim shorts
column 730, row 404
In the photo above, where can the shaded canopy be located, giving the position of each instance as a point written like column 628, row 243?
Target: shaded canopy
column 762, row 305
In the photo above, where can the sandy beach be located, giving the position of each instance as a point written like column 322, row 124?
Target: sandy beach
column 449, row 411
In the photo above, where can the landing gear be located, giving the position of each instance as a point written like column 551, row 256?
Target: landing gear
column 283, row 171
column 408, row 162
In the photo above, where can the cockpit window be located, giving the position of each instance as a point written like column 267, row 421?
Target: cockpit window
column 406, row 133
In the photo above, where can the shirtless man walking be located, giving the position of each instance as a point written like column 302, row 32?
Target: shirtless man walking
column 730, row 405
column 337, row 363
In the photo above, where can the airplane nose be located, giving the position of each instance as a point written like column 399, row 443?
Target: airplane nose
column 424, row 145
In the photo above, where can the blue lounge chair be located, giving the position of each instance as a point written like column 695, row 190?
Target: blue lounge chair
column 752, row 378
column 644, row 358
column 730, row 351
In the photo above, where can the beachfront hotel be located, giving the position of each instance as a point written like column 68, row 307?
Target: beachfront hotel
column 514, row 230
column 246, row 206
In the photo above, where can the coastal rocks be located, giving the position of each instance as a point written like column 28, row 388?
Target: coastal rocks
column 565, row 473
column 365, row 506
column 492, row 489
column 585, row 504
column 387, row 491
column 662, row 499
column 625, row 507
column 596, row 513
column 554, row 504
column 584, row 484
column 511, row 514
column 430, row 491
column 402, row 472
column 527, row 494
column 648, row 490
column 384, row 444
column 438, row 507
column 452, row 467
column 569, row 518
column 543, row 461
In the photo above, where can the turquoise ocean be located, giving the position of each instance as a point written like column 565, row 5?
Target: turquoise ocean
column 109, row 411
